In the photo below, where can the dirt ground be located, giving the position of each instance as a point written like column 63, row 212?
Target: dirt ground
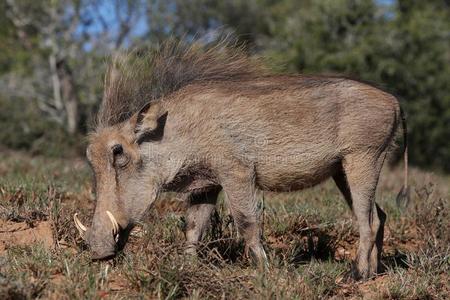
column 23, row 234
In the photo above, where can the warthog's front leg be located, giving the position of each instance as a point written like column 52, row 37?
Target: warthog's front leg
column 198, row 217
column 239, row 187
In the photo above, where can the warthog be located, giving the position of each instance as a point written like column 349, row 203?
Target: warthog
column 203, row 121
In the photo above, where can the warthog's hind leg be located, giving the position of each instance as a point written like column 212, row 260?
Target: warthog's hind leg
column 358, row 181
column 198, row 217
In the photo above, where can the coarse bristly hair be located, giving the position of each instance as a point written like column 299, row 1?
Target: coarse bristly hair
column 137, row 77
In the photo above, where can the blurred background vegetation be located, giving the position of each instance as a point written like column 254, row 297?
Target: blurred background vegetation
column 53, row 53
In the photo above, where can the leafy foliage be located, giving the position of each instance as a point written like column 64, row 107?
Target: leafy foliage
column 24, row 128
column 400, row 45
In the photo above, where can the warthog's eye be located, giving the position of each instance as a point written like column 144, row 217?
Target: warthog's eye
column 120, row 158
column 117, row 149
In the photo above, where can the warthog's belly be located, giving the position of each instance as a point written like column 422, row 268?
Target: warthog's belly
column 294, row 173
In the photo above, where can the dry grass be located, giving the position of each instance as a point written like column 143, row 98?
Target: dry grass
column 310, row 238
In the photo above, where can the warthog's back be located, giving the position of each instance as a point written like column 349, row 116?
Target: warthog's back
column 292, row 130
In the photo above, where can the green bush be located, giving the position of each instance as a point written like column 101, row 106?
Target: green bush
column 24, row 127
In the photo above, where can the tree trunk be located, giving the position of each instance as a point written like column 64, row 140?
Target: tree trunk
column 69, row 96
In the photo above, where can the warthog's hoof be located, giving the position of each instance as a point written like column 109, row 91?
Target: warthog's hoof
column 358, row 275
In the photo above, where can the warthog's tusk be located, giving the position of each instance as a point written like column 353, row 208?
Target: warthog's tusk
column 114, row 222
column 81, row 228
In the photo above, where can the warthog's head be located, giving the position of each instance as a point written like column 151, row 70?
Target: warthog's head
column 126, row 179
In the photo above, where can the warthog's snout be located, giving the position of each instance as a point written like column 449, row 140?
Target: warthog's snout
column 103, row 237
column 102, row 254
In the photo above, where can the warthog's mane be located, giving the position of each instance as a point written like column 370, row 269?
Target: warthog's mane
column 137, row 77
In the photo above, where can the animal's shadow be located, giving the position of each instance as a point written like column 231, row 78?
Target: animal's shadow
column 309, row 245
column 397, row 260
column 226, row 245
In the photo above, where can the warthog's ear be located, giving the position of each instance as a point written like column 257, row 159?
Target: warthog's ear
column 150, row 122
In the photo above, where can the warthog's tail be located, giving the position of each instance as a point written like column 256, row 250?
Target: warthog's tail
column 403, row 196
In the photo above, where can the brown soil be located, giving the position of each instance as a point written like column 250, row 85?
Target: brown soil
column 23, row 234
